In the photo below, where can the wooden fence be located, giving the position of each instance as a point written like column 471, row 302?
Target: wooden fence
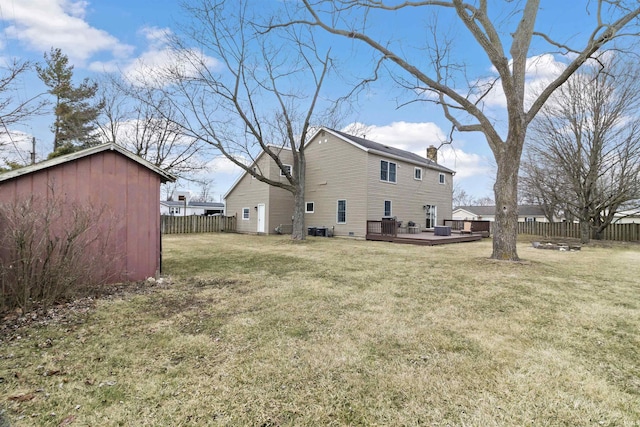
column 196, row 224
column 618, row 232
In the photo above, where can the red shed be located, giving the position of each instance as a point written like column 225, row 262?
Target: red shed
column 112, row 178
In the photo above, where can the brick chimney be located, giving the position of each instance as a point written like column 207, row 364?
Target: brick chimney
column 432, row 154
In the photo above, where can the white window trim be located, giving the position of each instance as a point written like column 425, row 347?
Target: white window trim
column 442, row 179
column 338, row 211
column 306, row 206
column 388, row 173
column 285, row 165
column 414, row 174
column 390, row 208
column 248, row 210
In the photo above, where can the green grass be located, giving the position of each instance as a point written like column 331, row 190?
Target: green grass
column 267, row 332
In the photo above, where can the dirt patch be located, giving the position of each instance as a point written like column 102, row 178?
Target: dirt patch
column 69, row 312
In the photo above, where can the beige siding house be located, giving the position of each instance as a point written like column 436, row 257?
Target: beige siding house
column 260, row 207
column 350, row 180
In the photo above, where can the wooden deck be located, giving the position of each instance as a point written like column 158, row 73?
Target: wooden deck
column 388, row 230
column 426, row 238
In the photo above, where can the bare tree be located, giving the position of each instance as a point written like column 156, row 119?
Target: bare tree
column 484, row 201
column 145, row 122
column 584, row 153
column 13, row 109
column 507, row 50
column 461, row 197
column 260, row 95
column 537, row 184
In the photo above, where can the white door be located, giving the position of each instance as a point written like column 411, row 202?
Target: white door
column 261, row 218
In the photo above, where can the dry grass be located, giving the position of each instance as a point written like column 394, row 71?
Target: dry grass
column 266, row 332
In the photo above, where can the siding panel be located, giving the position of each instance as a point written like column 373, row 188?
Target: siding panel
column 336, row 171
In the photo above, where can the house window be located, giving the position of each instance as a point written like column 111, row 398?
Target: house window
column 530, row 219
column 387, row 171
column 309, row 207
column 287, row 168
column 245, row 214
column 342, row 212
column 387, row 208
column 174, row 211
column 417, row 174
column 441, row 179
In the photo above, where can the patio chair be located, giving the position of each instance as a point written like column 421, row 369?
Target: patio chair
column 466, row 228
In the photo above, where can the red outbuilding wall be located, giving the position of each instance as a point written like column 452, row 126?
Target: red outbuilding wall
column 108, row 181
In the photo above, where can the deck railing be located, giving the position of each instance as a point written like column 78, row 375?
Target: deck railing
column 477, row 226
column 386, row 229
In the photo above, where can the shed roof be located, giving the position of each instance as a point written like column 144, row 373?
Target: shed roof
column 164, row 176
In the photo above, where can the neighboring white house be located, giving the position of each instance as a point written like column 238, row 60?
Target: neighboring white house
column 526, row 213
column 179, row 208
column 631, row 216
column 182, row 204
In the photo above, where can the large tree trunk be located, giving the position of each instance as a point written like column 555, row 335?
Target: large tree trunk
column 505, row 234
column 298, row 232
column 585, row 230
column 585, row 226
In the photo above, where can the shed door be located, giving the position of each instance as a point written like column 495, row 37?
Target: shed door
column 261, row 218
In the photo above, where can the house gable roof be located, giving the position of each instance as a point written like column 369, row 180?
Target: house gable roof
column 255, row 161
column 365, row 145
column 462, row 210
column 385, row 150
column 164, row 176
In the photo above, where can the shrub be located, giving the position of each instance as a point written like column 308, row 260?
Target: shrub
column 51, row 250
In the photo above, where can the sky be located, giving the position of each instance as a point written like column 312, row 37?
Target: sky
column 118, row 35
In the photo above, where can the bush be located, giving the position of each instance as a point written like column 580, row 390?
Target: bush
column 51, row 250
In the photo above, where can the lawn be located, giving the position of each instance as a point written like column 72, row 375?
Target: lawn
column 262, row 331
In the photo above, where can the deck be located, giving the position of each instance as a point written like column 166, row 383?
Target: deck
column 387, row 231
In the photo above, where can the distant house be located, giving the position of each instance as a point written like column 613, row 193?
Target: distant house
column 177, row 208
column 526, row 213
column 349, row 180
column 629, row 216
column 113, row 180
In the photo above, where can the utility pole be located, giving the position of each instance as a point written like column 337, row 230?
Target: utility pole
column 33, row 150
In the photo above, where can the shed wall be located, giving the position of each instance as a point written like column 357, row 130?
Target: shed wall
column 128, row 193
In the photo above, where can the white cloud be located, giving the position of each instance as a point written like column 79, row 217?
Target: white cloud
column 414, row 137
column 222, row 165
column 465, row 164
column 40, row 24
column 152, row 66
column 541, row 70
column 15, row 147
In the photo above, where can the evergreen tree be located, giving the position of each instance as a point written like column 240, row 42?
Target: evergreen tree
column 75, row 114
